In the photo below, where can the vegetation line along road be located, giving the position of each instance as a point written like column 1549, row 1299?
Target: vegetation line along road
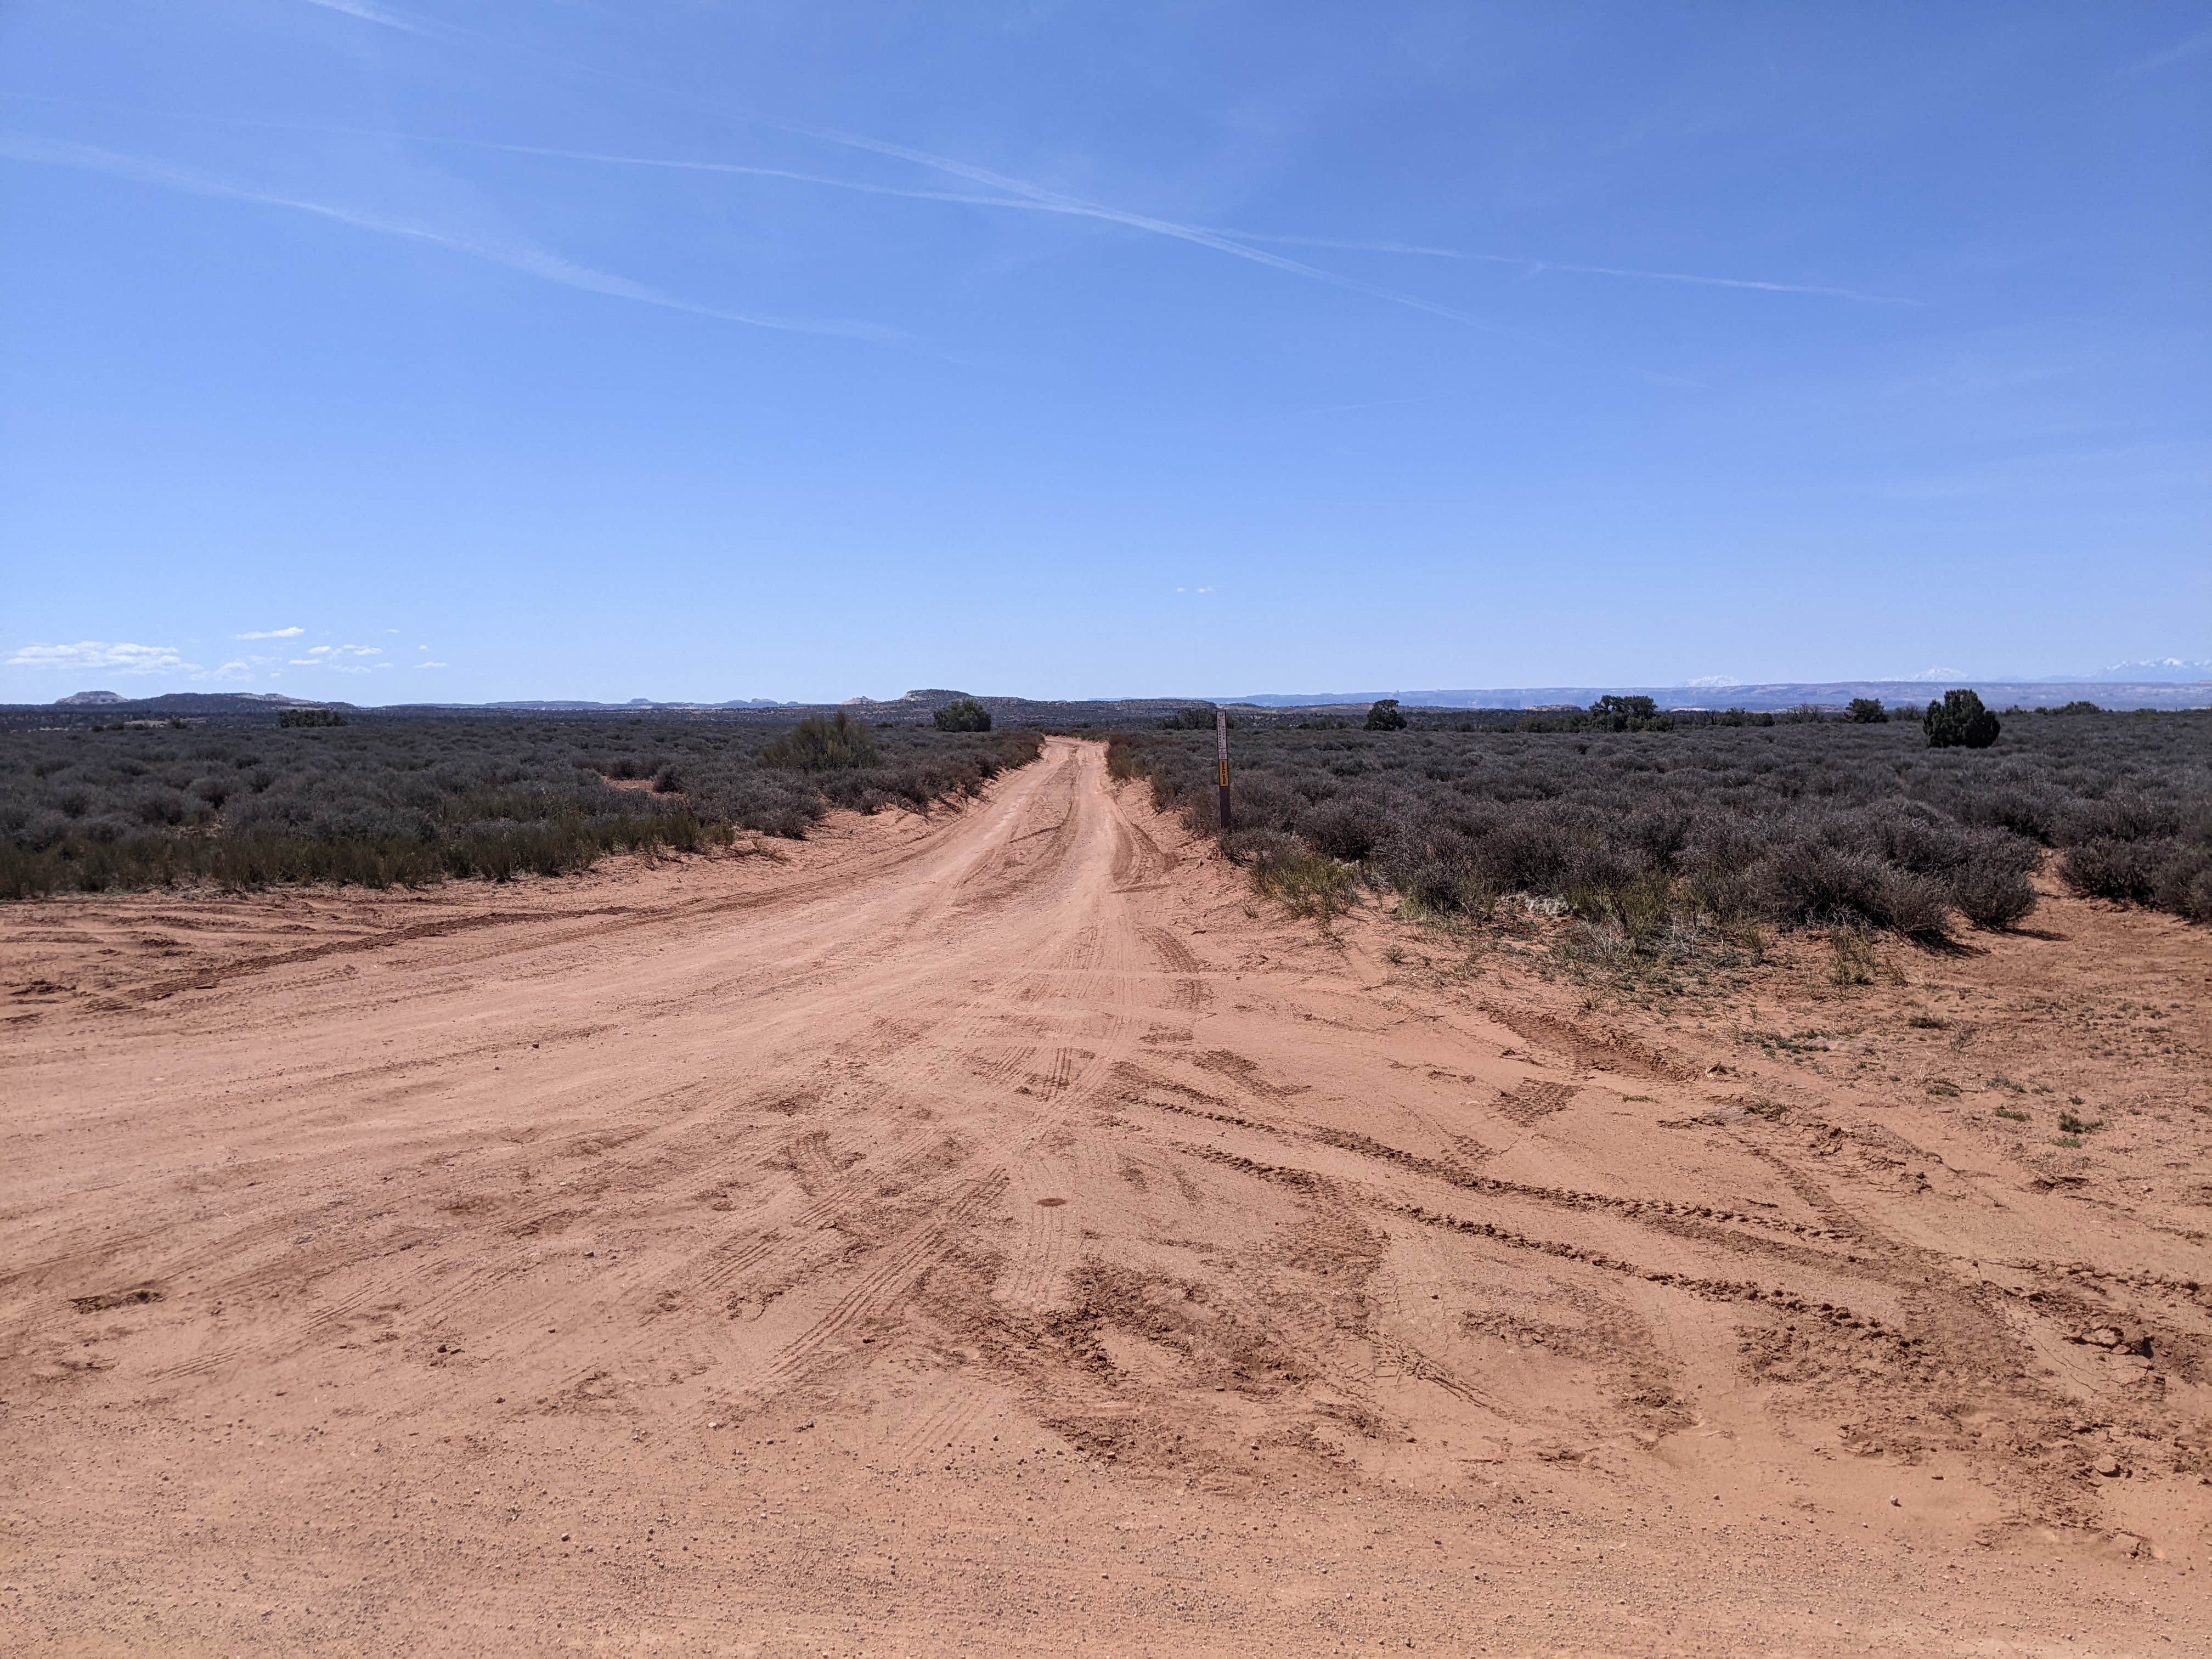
column 1654, row 829
column 1657, row 830
column 382, row 800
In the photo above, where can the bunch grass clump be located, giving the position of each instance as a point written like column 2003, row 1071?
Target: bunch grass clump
column 1306, row 883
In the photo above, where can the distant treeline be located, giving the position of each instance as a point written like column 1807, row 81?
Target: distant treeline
column 1608, row 714
column 382, row 800
column 1657, row 830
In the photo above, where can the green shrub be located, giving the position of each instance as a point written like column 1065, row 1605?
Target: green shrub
column 1386, row 716
column 1960, row 721
column 820, row 745
column 291, row 717
column 966, row 715
column 1868, row 711
column 1612, row 712
column 1610, row 707
column 1188, row 720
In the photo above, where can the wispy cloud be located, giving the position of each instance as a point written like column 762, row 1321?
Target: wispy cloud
column 516, row 256
column 1043, row 199
column 1349, row 245
column 682, row 164
column 2200, row 41
column 341, row 658
column 270, row 634
column 409, row 23
column 1005, row 193
column 384, row 15
column 1008, row 194
column 1536, row 267
column 1018, row 195
column 120, row 658
column 432, row 665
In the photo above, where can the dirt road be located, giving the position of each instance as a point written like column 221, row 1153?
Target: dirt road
column 994, row 1235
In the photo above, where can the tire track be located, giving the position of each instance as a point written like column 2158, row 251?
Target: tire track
column 885, row 1281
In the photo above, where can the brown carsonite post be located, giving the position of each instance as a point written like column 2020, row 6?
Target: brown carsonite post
column 1221, row 751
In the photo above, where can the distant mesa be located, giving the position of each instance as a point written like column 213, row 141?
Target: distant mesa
column 192, row 703
column 931, row 698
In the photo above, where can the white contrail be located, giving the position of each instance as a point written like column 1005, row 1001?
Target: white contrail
column 1349, row 245
column 1240, row 245
column 1037, row 198
column 370, row 13
column 516, row 256
column 1540, row 266
column 1042, row 200
column 1536, row 267
column 2200, row 41
column 1014, row 194
column 680, row 164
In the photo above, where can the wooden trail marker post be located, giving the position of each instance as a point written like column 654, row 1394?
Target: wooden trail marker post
column 1221, row 753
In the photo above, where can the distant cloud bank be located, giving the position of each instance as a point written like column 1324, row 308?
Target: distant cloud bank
column 123, row 658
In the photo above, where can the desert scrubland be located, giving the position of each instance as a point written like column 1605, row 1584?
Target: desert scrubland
column 1002, row 1228
column 244, row 801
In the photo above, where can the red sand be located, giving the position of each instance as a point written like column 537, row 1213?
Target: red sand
column 1001, row 1234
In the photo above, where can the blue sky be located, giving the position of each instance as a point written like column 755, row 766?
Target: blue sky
column 450, row 352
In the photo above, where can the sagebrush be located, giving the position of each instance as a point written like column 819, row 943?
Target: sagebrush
column 396, row 800
column 1829, row 822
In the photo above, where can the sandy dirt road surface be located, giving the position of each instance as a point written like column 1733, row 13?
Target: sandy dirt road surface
column 1001, row 1234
